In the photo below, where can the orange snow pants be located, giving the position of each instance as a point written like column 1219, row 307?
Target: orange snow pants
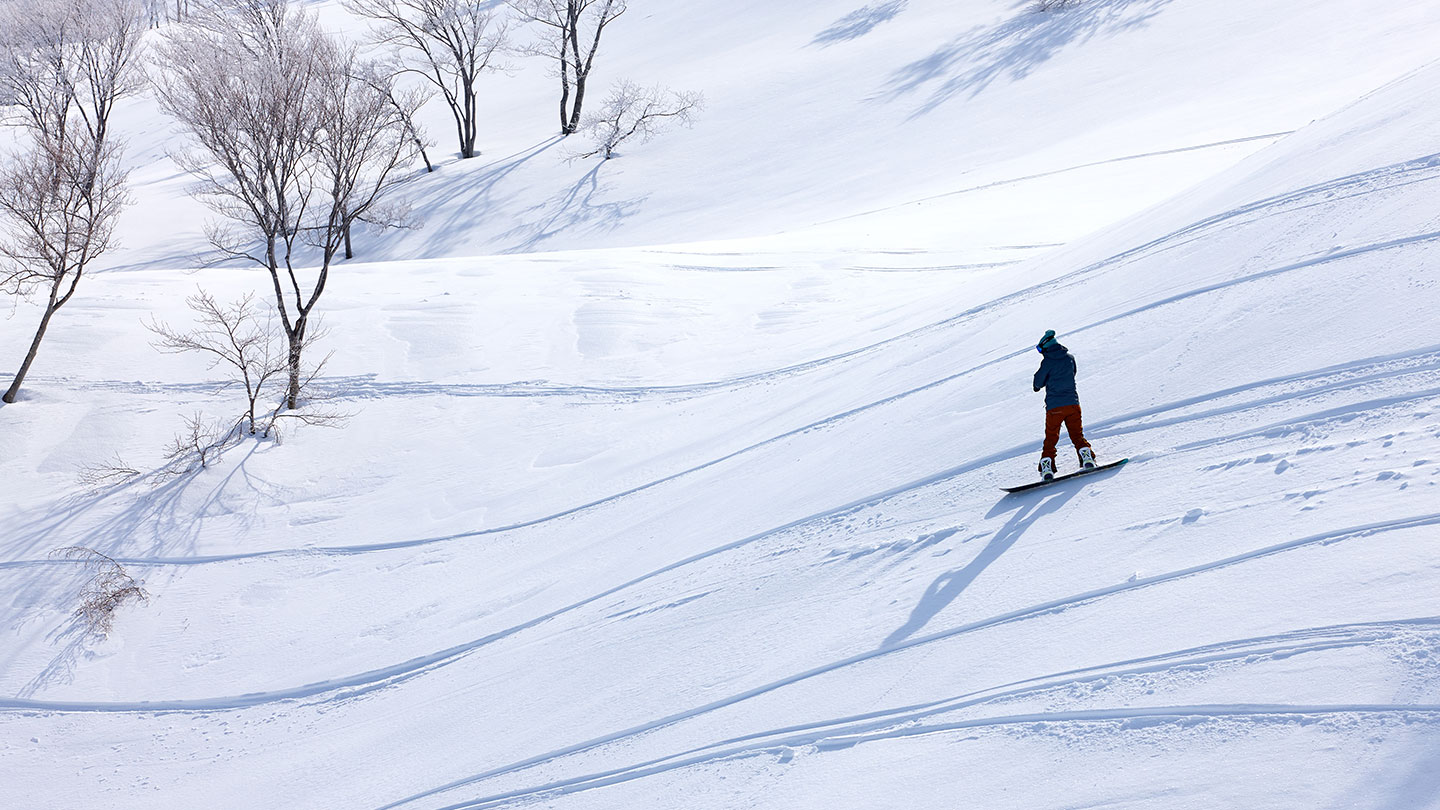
column 1069, row 416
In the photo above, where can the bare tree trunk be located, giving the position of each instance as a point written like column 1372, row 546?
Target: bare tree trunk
column 465, row 147
column 34, row 348
column 565, row 99
column 349, row 251
column 469, row 133
column 579, row 100
column 297, row 345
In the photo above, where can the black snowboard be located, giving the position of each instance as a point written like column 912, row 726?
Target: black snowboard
column 1057, row 479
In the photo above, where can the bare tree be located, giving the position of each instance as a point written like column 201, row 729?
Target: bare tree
column 571, row 36
column 65, row 63
column 634, row 113
column 366, row 139
column 109, row 587
column 58, row 205
column 291, row 146
column 63, row 66
column 449, row 43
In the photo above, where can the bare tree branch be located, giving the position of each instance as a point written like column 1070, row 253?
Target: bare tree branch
column 634, row 113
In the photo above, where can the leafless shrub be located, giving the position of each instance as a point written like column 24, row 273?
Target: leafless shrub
column 448, row 43
column 246, row 339
column 107, row 590
column 1054, row 5
column 237, row 336
column 202, row 441
column 570, row 35
column 637, row 114
column 112, row 473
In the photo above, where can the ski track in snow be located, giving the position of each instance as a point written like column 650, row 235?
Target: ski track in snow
column 1355, row 374
column 909, row 720
column 1130, row 717
column 362, row 683
column 1295, row 642
column 1091, row 165
column 1427, row 168
column 1288, row 391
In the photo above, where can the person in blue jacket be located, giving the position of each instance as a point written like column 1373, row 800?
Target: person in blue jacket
column 1062, row 404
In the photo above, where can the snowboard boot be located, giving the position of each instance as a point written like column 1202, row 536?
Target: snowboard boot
column 1087, row 458
column 1047, row 469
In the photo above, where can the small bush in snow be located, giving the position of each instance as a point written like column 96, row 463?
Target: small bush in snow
column 202, row 441
column 245, row 338
column 237, row 336
column 632, row 113
column 112, row 473
column 107, row 590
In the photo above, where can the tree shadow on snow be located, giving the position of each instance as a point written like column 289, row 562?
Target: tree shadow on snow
column 147, row 518
column 74, row 641
column 581, row 207
column 860, row 22
column 151, row 521
column 974, row 60
column 454, row 205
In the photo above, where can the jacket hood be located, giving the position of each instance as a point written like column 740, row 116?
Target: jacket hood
column 1054, row 348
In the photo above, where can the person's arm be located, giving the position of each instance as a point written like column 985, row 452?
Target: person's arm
column 1041, row 375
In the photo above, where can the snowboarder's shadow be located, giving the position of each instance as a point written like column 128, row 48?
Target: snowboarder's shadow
column 948, row 586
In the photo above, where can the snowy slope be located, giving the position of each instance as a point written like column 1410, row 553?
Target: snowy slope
column 914, row 109
column 717, row 524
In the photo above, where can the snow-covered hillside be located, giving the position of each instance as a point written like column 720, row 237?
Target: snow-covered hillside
column 660, row 520
column 957, row 123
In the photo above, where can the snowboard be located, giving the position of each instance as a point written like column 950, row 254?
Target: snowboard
column 1057, row 479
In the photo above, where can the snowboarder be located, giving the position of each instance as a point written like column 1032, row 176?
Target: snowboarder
column 1062, row 404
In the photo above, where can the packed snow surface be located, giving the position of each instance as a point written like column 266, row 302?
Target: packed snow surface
column 699, row 507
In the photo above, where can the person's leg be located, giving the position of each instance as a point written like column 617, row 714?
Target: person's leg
column 1053, row 420
column 1075, row 427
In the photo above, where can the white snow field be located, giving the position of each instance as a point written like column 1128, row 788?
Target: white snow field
column 701, row 509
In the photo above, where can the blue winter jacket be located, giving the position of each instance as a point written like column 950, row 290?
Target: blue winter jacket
column 1057, row 376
